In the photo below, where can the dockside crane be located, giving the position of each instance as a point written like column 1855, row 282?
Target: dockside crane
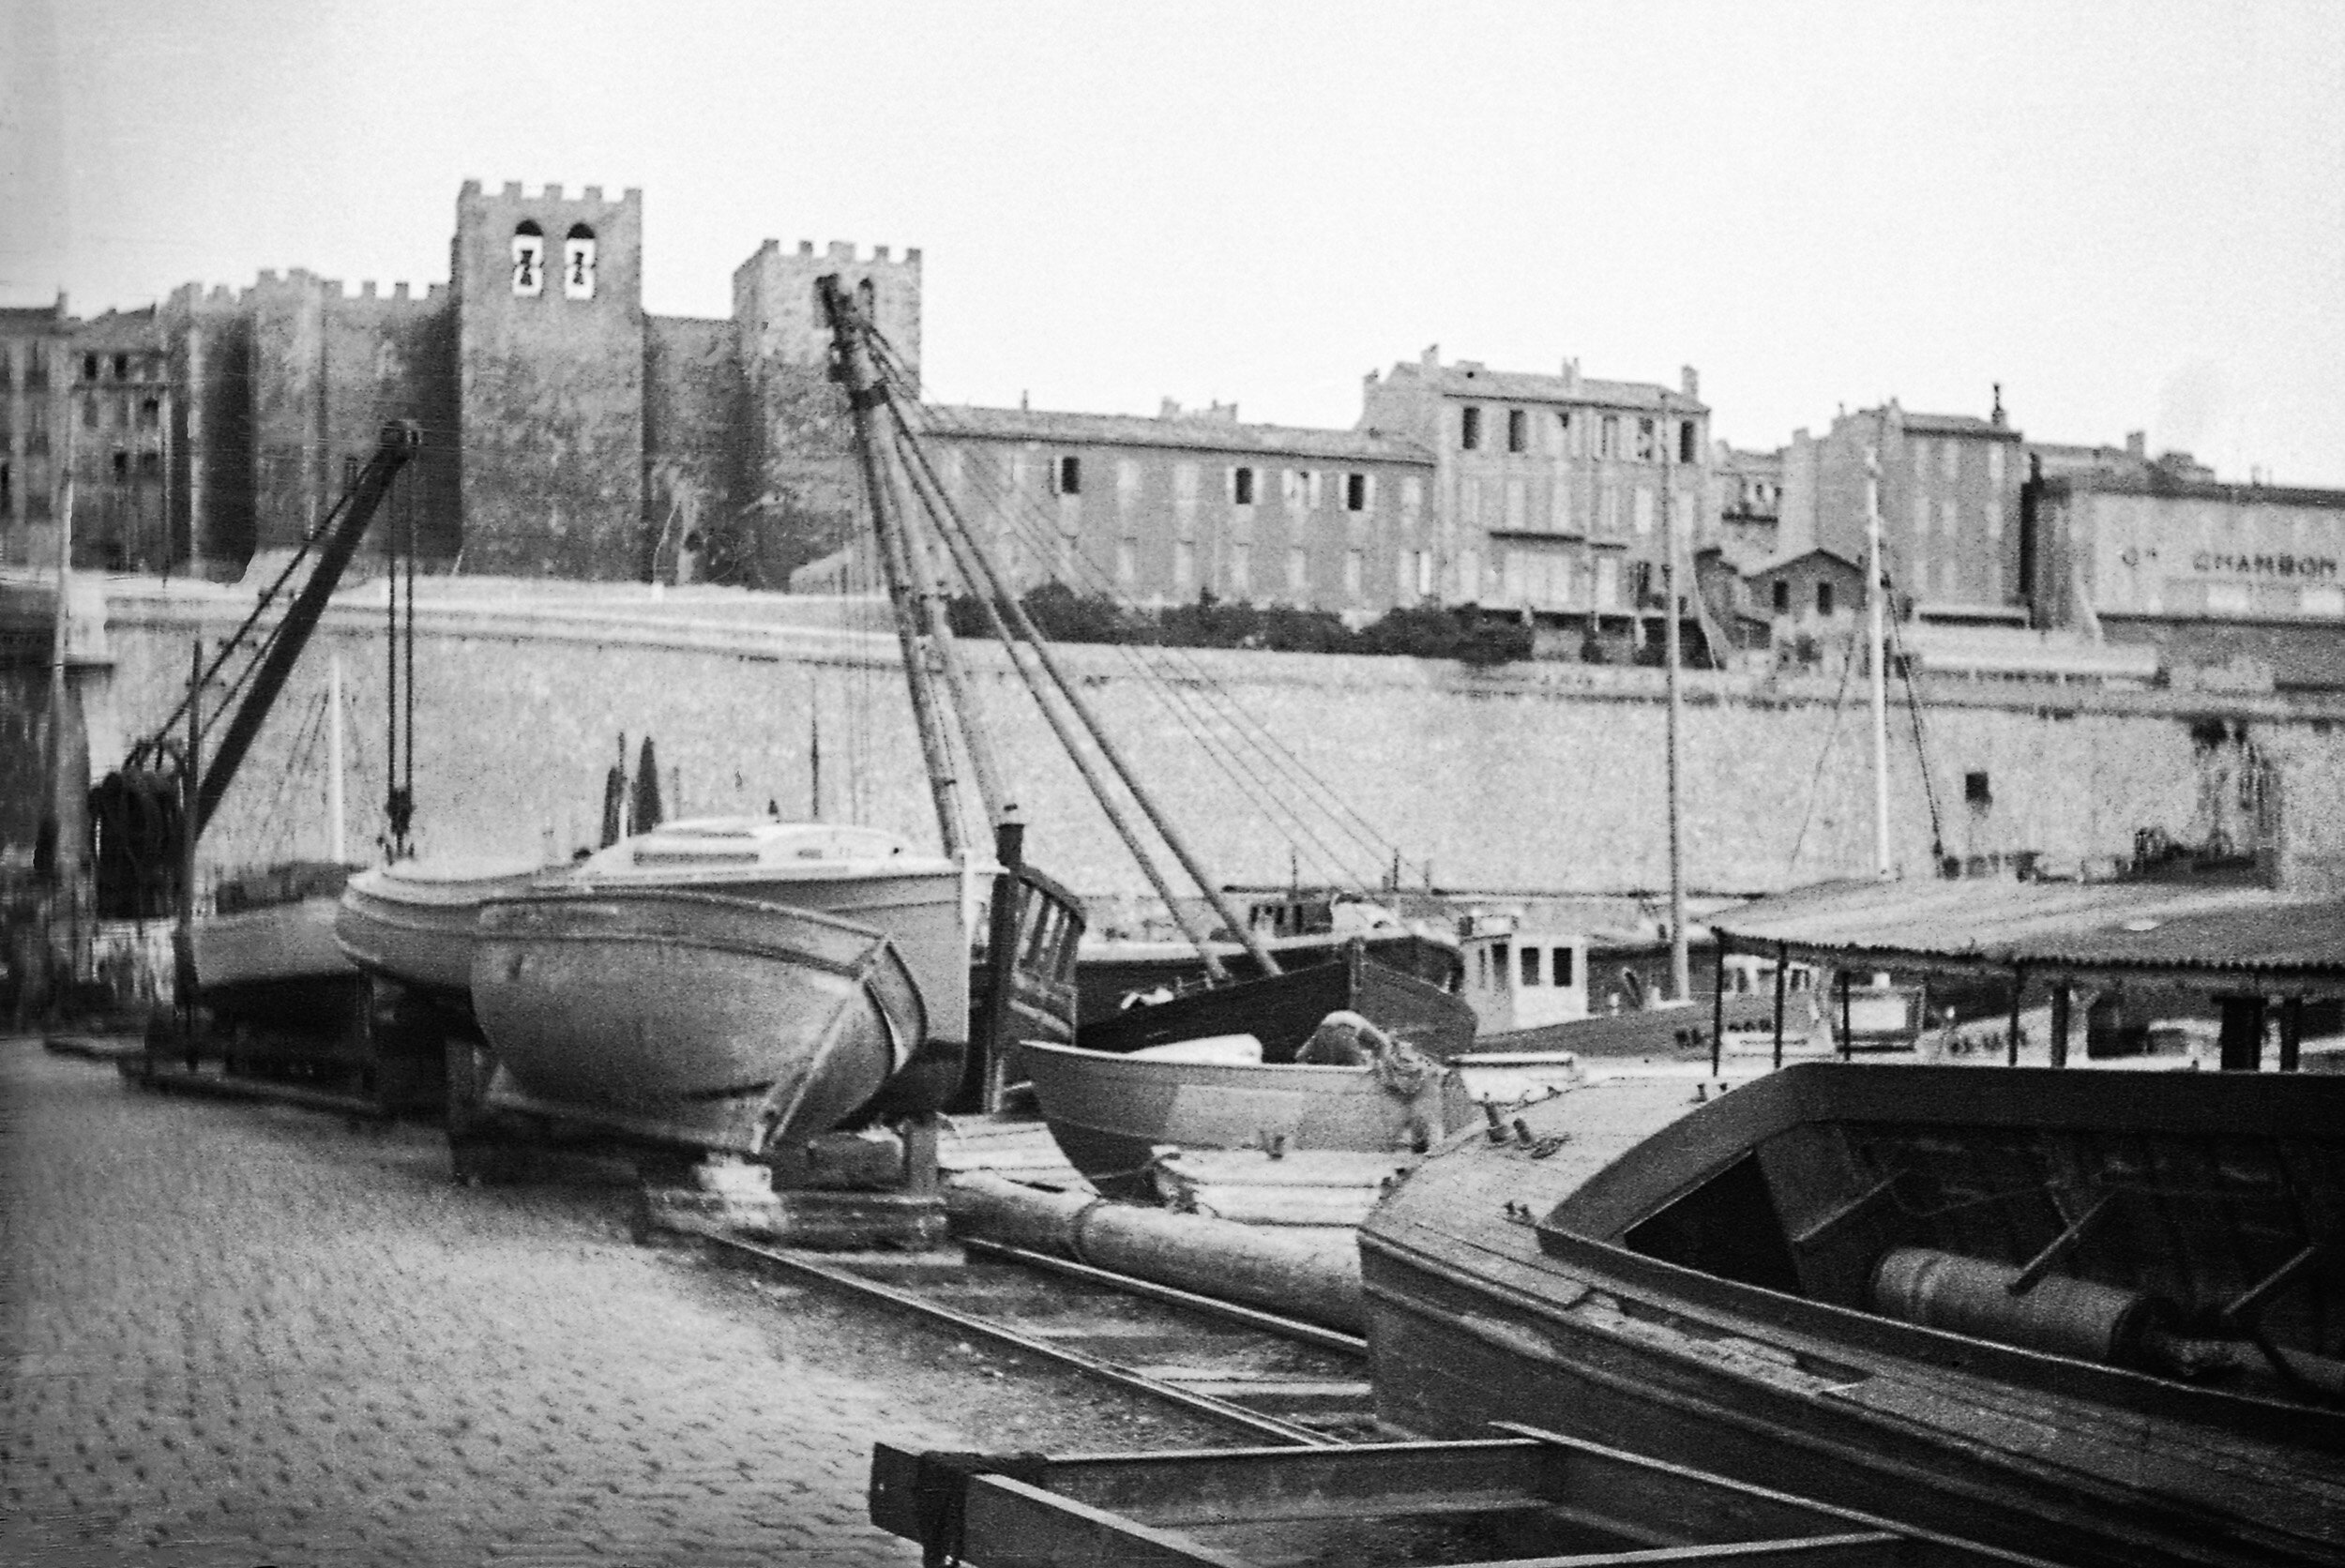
column 146, row 817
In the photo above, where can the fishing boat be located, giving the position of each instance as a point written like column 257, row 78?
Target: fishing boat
column 717, row 1022
column 2098, row 1317
column 265, row 957
column 1300, row 930
column 1282, row 1010
column 1111, row 1113
column 736, row 984
column 411, row 924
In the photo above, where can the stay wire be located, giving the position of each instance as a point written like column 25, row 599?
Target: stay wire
column 1185, row 698
column 1218, row 748
column 1019, row 514
column 1832, row 736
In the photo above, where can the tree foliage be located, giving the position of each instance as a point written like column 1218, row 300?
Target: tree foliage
column 1417, row 631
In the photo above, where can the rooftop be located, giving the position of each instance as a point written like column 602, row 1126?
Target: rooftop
column 2179, row 930
column 1466, row 378
column 1193, row 433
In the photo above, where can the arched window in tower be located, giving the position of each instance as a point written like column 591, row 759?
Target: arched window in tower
column 578, row 263
column 529, row 259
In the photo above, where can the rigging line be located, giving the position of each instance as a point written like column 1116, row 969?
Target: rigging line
column 1202, row 688
column 1247, row 726
column 1832, row 735
column 1274, row 802
column 1002, row 611
column 1208, row 742
column 1921, row 745
column 270, row 819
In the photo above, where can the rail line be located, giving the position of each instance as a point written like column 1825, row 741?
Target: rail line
column 1273, row 1378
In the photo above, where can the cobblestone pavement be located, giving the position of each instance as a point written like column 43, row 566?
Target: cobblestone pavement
column 241, row 1334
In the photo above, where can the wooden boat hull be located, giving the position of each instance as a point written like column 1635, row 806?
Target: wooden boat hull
column 688, row 1018
column 1282, row 1010
column 1108, row 1112
column 1584, row 1320
column 412, row 923
column 275, row 964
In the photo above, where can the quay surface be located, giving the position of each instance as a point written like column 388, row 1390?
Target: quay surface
column 234, row 1334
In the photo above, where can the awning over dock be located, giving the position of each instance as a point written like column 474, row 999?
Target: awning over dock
column 2203, row 932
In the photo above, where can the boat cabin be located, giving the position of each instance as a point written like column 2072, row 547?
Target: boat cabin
column 1520, row 978
column 718, row 842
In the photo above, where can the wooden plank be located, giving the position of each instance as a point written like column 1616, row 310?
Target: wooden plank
column 1008, row 1524
column 1862, row 1549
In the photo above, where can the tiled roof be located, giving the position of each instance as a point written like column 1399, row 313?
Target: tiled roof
column 1192, row 434
column 1531, row 386
column 1832, row 555
column 2174, row 929
column 2152, row 480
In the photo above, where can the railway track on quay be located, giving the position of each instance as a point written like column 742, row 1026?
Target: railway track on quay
column 1273, row 1379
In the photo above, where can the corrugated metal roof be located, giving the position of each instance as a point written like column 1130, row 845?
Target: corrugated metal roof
column 2178, row 928
column 1196, row 434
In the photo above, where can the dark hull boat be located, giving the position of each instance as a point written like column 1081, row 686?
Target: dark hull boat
column 2098, row 1320
column 1282, row 1010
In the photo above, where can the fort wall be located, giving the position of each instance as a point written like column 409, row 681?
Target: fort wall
column 1537, row 778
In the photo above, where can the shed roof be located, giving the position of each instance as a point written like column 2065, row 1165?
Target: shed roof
column 1466, row 379
column 2202, row 930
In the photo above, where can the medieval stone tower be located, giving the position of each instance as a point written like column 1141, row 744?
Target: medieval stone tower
column 801, row 472
column 550, row 359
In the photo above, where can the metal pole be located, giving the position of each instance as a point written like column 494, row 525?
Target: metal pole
column 1783, row 978
column 2292, row 1032
column 1717, row 1007
column 334, row 839
column 967, row 709
column 2019, row 986
column 183, row 938
column 1681, row 981
column 2063, row 1006
column 1848, row 1037
column 1872, row 661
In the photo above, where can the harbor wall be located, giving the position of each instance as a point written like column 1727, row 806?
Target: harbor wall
column 1535, row 776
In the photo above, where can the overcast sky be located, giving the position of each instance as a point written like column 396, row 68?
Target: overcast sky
column 2132, row 216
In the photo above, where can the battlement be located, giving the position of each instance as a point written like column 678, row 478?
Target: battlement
column 473, row 194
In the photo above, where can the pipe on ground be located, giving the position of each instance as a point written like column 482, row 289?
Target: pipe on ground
column 1190, row 1252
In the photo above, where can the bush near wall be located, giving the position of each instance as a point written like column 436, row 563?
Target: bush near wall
column 1417, row 631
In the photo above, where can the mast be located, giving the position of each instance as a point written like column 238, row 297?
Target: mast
column 60, row 790
column 1681, row 978
column 1872, row 661
column 863, row 394
column 968, row 713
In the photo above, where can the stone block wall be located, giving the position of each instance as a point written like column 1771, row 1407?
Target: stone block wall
column 1535, row 778
column 694, row 438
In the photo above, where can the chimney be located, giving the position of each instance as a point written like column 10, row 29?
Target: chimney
column 1169, row 409
column 1430, row 358
column 2136, row 445
column 1995, row 418
column 1690, row 379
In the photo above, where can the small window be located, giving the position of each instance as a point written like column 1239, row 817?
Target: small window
column 89, row 367
column 122, row 466
column 1242, row 486
column 578, row 263
column 1976, row 790
column 1686, row 441
column 122, row 366
column 1782, row 597
column 150, row 414
column 1646, row 449
column 150, row 463
column 1608, row 437
column 1518, row 429
column 529, row 260
column 1824, row 599
column 1530, row 965
column 1470, row 428
column 1562, row 966
column 1355, row 493
column 1070, row 475
column 7, row 489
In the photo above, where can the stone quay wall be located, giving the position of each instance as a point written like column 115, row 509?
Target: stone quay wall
column 1535, row 777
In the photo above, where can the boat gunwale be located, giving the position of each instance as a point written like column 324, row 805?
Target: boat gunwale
column 1580, row 1231
column 872, row 939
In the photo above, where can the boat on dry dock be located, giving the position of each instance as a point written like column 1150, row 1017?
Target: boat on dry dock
column 1110, row 1114
column 2100, row 1318
column 411, row 923
column 737, row 984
